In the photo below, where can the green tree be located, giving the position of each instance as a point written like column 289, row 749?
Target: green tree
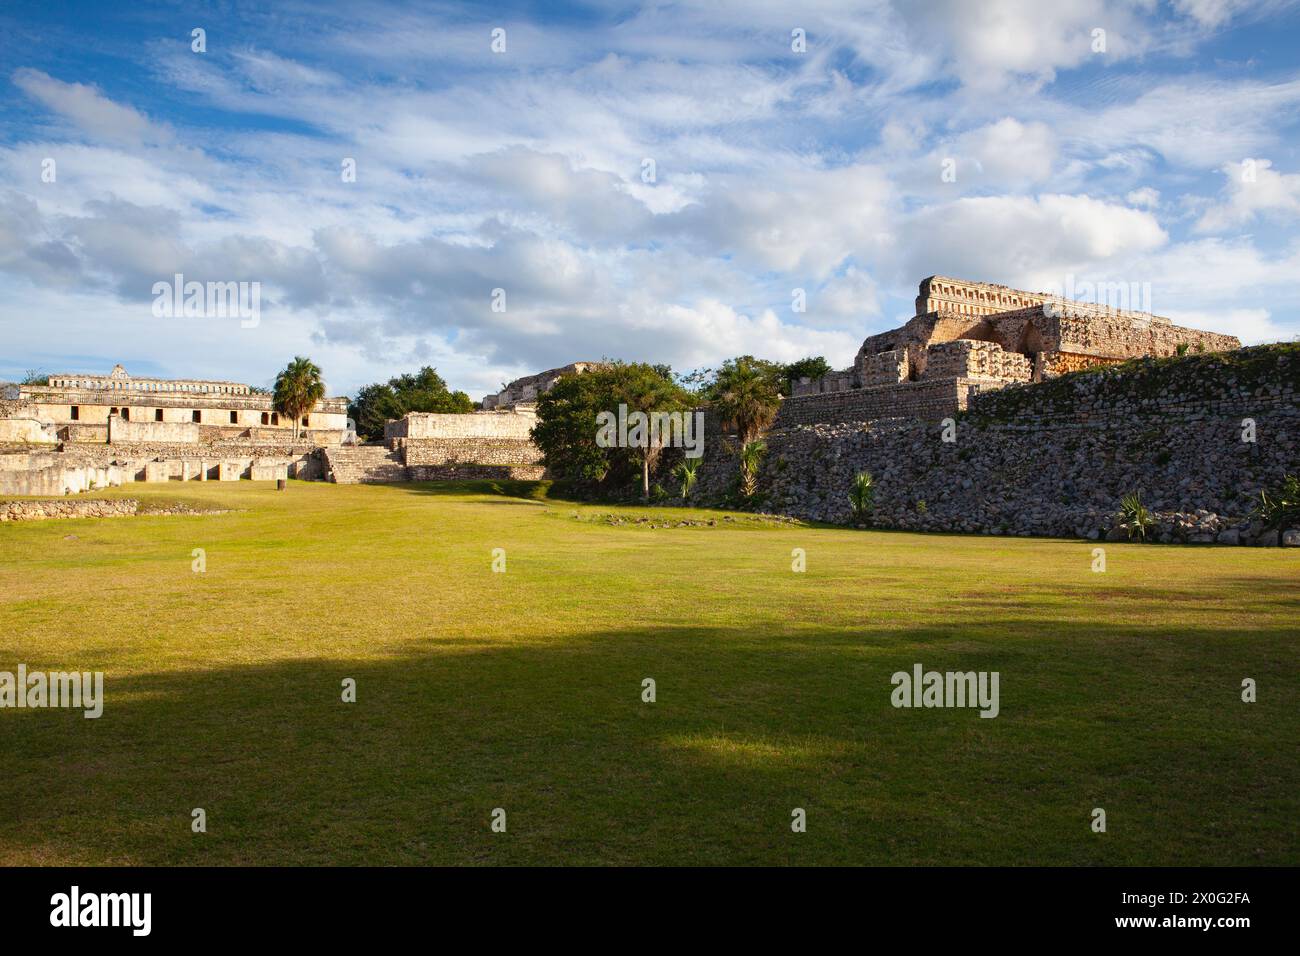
column 747, row 393
column 813, row 367
column 424, row 391
column 648, row 390
column 569, row 421
column 297, row 390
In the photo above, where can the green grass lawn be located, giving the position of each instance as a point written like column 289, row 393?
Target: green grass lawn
column 522, row 690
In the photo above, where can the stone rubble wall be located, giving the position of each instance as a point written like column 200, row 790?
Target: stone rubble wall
column 1055, row 458
column 926, row 400
column 77, row 508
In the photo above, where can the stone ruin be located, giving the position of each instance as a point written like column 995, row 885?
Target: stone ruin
column 969, row 337
column 81, row 431
column 525, row 391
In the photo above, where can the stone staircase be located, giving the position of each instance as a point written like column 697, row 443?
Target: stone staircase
column 364, row 464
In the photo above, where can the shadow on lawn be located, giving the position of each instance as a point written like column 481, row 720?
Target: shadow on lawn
column 745, row 727
column 532, row 491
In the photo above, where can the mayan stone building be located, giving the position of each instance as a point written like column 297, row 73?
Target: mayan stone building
column 80, row 431
column 968, row 337
column 117, row 408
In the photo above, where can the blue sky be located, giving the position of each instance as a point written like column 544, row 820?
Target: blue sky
column 1160, row 154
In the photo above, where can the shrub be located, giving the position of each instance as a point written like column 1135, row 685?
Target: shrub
column 658, row 492
column 1280, row 508
column 686, row 472
column 1134, row 516
column 862, row 494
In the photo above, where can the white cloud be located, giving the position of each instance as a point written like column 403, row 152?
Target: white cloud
column 1146, row 197
column 851, row 295
column 1017, row 239
column 1253, row 189
column 990, row 43
column 89, row 109
column 1251, row 326
column 1006, row 154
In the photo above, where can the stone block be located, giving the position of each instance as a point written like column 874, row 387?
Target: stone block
column 268, row 472
column 156, row 471
column 230, row 470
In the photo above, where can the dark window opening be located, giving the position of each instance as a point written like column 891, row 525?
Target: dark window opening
column 157, row 414
column 76, row 413
column 304, row 421
column 234, row 418
column 266, row 419
column 275, row 418
column 126, row 414
column 113, row 410
column 195, row 416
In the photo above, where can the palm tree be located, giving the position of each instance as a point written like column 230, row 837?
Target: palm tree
column 750, row 457
column 747, row 399
column 297, row 390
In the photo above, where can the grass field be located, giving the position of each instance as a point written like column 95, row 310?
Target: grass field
column 522, row 690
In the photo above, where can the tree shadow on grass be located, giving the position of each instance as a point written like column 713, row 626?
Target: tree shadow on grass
column 526, row 491
column 745, row 728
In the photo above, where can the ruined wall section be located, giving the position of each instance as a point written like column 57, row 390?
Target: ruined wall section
column 498, row 438
column 1055, row 458
column 926, row 400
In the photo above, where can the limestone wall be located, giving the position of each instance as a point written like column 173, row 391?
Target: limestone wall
column 968, row 359
column 480, row 451
column 84, row 467
column 481, row 438
column 1055, row 458
column 883, row 368
column 928, row 400
column 831, row 382
column 490, row 425
column 27, row 430
column 60, row 478
column 120, row 431
column 1080, row 329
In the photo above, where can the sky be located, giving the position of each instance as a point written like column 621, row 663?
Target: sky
column 497, row 189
